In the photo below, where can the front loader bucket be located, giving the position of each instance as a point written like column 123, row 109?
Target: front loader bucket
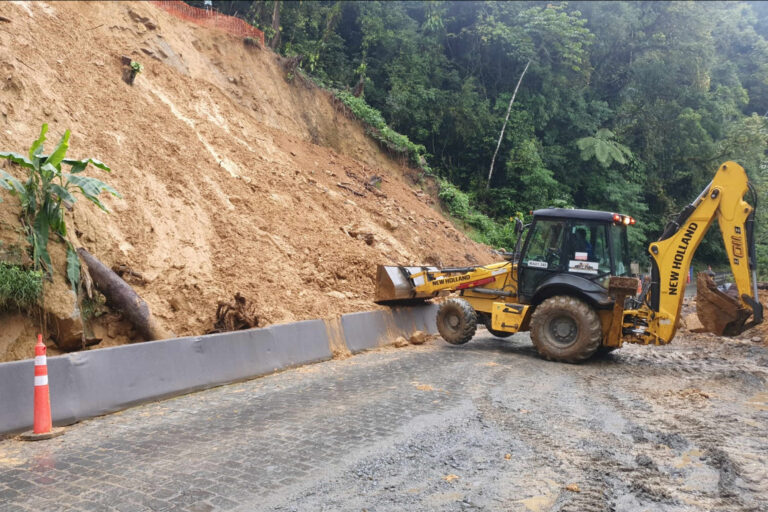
column 719, row 312
column 395, row 286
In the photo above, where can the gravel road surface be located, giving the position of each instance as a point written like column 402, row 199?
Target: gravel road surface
column 483, row 426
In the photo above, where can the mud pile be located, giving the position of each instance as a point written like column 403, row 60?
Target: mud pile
column 233, row 177
column 692, row 328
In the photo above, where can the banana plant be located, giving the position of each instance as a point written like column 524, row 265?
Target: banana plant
column 47, row 188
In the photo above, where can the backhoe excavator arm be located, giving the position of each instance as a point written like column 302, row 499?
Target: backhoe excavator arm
column 671, row 257
column 459, row 278
column 397, row 284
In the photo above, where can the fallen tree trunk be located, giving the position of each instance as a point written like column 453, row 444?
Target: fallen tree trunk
column 122, row 297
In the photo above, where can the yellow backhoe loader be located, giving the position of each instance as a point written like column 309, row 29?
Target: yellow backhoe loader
column 570, row 285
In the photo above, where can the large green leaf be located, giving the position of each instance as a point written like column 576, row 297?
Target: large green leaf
column 8, row 182
column 77, row 165
column 40, row 231
column 63, row 194
column 91, row 188
column 80, row 165
column 56, row 219
column 617, row 154
column 37, row 147
column 48, row 172
column 17, row 159
column 60, row 152
column 602, row 152
column 29, row 198
column 73, row 267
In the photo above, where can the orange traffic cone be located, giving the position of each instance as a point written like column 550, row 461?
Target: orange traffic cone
column 42, row 422
column 42, row 426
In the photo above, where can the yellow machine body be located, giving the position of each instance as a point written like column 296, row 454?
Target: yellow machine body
column 508, row 317
column 493, row 292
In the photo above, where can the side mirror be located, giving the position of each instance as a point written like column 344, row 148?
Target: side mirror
column 518, row 226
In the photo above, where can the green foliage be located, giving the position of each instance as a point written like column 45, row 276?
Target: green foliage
column 93, row 307
column 454, row 200
column 136, row 67
column 378, row 128
column 603, row 148
column 19, row 288
column 45, row 191
column 482, row 228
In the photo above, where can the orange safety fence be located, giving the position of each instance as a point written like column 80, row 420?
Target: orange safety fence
column 210, row 19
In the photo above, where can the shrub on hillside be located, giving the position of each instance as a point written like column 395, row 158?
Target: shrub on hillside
column 19, row 288
column 45, row 193
column 379, row 130
column 484, row 229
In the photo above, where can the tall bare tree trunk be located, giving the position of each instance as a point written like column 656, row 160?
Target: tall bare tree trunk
column 275, row 26
column 504, row 127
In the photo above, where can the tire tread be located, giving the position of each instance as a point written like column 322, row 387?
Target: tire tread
column 469, row 317
column 578, row 308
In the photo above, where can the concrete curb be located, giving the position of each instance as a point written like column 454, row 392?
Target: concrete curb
column 94, row 382
column 371, row 329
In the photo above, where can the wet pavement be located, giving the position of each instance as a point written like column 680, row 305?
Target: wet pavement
column 483, row 426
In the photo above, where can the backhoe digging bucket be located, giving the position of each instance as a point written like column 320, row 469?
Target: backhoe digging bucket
column 394, row 285
column 719, row 312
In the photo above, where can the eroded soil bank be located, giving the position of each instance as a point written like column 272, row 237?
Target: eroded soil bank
column 234, row 177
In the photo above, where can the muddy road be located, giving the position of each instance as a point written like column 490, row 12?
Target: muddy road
column 484, row 426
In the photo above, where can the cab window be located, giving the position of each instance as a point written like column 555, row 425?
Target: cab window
column 587, row 248
column 620, row 245
column 544, row 248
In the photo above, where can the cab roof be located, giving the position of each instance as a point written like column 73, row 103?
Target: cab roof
column 571, row 213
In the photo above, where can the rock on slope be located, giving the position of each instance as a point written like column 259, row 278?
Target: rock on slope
column 229, row 172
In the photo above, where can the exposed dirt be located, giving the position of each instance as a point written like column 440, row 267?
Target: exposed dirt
column 229, row 172
column 693, row 329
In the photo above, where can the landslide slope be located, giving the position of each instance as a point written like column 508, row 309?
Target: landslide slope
column 228, row 170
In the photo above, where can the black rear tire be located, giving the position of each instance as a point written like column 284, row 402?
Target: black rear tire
column 499, row 334
column 456, row 321
column 564, row 328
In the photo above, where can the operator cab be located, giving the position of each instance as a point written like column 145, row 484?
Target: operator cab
column 569, row 247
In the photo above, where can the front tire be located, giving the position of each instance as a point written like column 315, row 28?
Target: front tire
column 564, row 328
column 456, row 321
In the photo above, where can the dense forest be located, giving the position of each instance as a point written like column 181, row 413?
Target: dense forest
column 622, row 106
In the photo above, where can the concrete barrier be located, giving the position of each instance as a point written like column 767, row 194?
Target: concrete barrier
column 371, row 329
column 94, row 382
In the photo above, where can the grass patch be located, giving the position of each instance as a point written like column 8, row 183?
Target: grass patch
column 19, row 288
